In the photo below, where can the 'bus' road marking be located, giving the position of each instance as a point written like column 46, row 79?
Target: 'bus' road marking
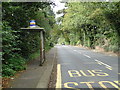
column 107, row 66
column 87, row 56
column 87, row 73
column 58, row 83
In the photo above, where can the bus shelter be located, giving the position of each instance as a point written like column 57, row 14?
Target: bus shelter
column 34, row 28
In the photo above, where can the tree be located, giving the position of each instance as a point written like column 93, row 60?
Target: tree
column 19, row 45
column 91, row 24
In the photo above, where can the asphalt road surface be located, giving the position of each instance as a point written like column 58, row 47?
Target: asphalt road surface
column 81, row 68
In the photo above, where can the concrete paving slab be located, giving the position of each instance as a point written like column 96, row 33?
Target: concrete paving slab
column 36, row 76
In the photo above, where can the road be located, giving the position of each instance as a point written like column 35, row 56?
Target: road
column 82, row 68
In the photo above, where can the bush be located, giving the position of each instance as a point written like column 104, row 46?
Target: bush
column 114, row 48
column 17, row 63
column 18, row 45
column 7, row 71
column 13, row 64
column 106, row 48
column 9, row 41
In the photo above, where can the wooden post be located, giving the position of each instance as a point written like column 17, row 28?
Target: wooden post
column 41, row 48
column 44, row 45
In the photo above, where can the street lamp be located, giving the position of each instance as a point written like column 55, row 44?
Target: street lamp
column 34, row 28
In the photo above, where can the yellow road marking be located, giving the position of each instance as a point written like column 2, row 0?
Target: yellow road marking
column 102, row 85
column 100, row 73
column 109, row 68
column 74, row 83
column 117, row 82
column 88, row 84
column 92, row 74
column 89, row 73
column 74, row 73
column 59, row 80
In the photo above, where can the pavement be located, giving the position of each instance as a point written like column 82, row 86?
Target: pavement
column 83, row 68
column 36, row 76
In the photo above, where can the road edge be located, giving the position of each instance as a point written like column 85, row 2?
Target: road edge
column 44, row 80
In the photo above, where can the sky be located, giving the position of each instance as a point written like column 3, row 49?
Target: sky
column 58, row 6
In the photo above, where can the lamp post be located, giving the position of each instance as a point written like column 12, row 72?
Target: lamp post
column 34, row 28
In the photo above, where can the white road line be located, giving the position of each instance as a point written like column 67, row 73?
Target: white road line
column 103, row 63
column 70, row 48
column 83, row 54
column 64, row 46
column 59, row 80
column 87, row 56
column 77, row 51
column 99, row 62
column 107, row 66
column 110, row 68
